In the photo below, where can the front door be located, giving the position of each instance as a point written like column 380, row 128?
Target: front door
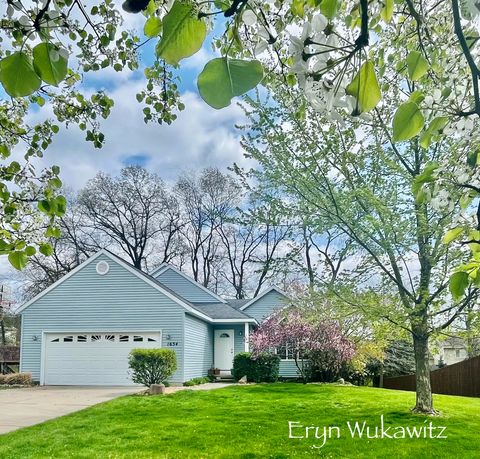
column 224, row 349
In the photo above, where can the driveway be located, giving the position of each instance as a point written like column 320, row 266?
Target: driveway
column 29, row 406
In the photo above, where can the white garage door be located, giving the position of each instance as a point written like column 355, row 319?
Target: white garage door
column 92, row 358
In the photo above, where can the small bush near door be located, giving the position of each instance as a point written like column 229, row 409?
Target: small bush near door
column 152, row 366
column 262, row 368
column 197, row 381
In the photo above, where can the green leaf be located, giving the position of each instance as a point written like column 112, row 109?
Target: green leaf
column 427, row 176
column 53, row 232
column 153, row 27
column 55, row 182
column 417, row 65
column 46, row 249
column 60, row 206
column 30, row 251
column 364, row 87
column 18, row 260
column 223, row 78
column 329, row 8
column 407, row 122
column 50, row 65
column 473, row 158
column 458, row 284
column 44, row 206
column 387, row 11
column 452, row 234
column 18, row 76
column 434, row 128
column 183, row 33
column 417, row 97
column 298, row 8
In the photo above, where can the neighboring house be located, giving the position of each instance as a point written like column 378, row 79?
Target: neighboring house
column 450, row 350
column 80, row 330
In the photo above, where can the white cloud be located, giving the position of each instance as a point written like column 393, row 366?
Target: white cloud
column 200, row 137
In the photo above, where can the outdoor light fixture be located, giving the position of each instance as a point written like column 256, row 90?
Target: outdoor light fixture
column 35, row 338
column 169, row 337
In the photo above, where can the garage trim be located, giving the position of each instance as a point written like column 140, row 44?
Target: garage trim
column 83, row 330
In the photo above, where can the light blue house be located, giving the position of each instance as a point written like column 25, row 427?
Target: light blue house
column 80, row 330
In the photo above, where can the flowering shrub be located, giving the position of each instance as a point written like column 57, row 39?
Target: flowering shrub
column 318, row 348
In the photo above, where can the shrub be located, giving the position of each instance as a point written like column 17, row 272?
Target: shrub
column 262, row 368
column 152, row 366
column 197, row 381
column 16, row 379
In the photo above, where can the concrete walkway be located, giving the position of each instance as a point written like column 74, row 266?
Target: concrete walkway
column 207, row 386
column 29, row 406
column 26, row 407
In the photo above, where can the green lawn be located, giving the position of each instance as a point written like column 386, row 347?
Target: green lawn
column 249, row 422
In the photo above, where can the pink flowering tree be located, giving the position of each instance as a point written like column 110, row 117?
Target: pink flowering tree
column 318, row 347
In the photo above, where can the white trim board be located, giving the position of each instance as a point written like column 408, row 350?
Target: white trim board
column 264, row 293
column 164, row 266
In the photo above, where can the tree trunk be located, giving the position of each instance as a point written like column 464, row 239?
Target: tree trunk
column 424, row 401
column 2, row 333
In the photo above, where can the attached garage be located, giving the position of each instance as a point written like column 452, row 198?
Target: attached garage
column 98, row 358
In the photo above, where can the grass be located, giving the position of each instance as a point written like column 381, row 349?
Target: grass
column 248, row 422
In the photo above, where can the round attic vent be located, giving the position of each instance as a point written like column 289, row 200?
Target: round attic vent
column 102, row 267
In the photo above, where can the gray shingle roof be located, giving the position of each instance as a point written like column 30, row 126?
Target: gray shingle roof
column 220, row 311
column 237, row 304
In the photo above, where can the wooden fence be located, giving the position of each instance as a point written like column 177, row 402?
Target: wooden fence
column 9, row 359
column 9, row 354
column 462, row 378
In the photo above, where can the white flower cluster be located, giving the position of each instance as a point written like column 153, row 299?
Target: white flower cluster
column 311, row 54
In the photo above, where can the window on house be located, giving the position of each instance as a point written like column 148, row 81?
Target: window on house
column 285, row 352
column 152, row 340
column 124, row 338
column 81, row 338
column 55, row 340
column 109, row 337
column 138, row 338
column 96, row 337
column 68, row 339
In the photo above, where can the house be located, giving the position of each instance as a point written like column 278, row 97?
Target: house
column 80, row 330
column 452, row 350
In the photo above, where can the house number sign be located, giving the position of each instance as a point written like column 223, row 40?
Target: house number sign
column 172, row 343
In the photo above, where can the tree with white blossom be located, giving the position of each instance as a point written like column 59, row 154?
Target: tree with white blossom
column 351, row 177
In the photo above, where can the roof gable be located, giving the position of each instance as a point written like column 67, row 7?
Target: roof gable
column 263, row 294
column 127, row 266
column 184, row 285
